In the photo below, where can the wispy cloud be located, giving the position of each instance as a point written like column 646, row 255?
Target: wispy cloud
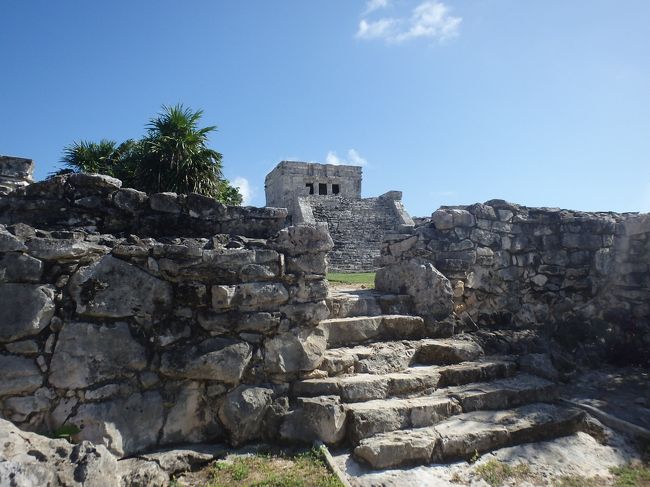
column 372, row 5
column 430, row 19
column 353, row 159
column 245, row 189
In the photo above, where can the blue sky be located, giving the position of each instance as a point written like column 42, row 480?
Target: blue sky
column 544, row 103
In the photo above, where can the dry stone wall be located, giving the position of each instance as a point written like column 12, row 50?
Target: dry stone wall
column 585, row 277
column 141, row 341
column 98, row 203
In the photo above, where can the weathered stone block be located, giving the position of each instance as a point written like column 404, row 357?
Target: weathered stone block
column 165, row 203
column 88, row 354
column 303, row 239
column 25, row 310
column 17, row 267
column 300, row 350
column 431, row 291
column 124, row 426
column 10, row 243
column 113, row 288
column 19, row 376
column 217, row 359
column 242, row 412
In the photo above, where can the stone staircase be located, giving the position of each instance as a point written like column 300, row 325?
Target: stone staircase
column 399, row 396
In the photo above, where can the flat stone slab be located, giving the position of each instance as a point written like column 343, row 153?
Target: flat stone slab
column 461, row 436
column 392, row 356
column 410, row 381
column 363, row 329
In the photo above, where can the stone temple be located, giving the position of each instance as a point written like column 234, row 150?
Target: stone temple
column 331, row 194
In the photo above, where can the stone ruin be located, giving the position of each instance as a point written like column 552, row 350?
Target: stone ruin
column 327, row 193
column 15, row 172
column 147, row 321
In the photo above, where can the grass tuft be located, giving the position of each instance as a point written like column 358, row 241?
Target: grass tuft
column 495, row 473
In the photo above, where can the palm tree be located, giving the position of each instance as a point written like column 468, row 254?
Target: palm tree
column 176, row 157
column 173, row 156
column 103, row 157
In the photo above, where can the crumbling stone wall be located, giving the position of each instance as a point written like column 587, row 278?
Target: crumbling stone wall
column 99, row 203
column 585, row 277
column 143, row 341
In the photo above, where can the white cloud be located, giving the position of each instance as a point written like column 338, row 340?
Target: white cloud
column 353, row 159
column 245, row 189
column 380, row 28
column 430, row 19
column 372, row 5
column 332, row 158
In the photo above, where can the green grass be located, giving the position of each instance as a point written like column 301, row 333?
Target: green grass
column 303, row 470
column 495, row 472
column 366, row 278
column 631, row 476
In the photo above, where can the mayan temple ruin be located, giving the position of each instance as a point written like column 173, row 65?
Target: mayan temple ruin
column 140, row 322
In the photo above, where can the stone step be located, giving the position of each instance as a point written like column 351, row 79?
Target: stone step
column 410, row 381
column 366, row 302
column 384, row 357
column 503, row 393
column 462, row 436
column 364, row 329
column 369, row 418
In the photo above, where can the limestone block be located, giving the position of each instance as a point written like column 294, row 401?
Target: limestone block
column 113, row 288
column 309, row 290
column 94, row 181
column 40, row 401
column 24, row 347
column 123, row 426
column 190, row 418
column 10, row 243
column 307, row 264
column 19, row 376
column 307, row 313
column 25, row 310
column 431, row 291
column 204, row 207
column 165, row 203
column 217, row 359
column 18, row 267
column 87, row 354
column 242, row 412
column 257, row 272
column 303, row 239
column 317, row 418
column 484, row 237
column 581, row 241
column 129, row 199
column 223, row 296
column 32, row 460
column 63, row 250
column 295, row 351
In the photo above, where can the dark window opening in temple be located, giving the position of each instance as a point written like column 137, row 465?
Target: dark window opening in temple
column 311, row 187
column 335, row 189
column 322, row 188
